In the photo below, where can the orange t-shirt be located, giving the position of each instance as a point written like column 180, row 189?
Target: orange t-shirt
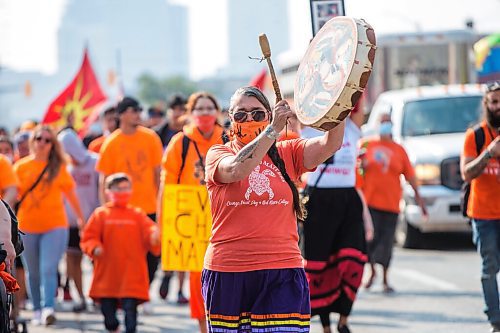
column 484, row 202
column 138, row 155
column 124, row 235
column 7, row 175
column 172, row 159
column 43, row 208
column 254, row 224
column 288, row 135
column 96, row 144
column 381, row 185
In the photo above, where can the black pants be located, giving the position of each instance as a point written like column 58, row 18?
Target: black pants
column 129, row 306
column 384, row 227
column 153, row 260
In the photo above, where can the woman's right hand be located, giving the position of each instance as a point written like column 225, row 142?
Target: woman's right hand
column 281, row 112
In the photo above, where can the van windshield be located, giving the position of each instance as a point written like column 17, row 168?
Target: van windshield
column 441, row 115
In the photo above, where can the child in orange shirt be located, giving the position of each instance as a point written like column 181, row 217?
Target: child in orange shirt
column 117, row 237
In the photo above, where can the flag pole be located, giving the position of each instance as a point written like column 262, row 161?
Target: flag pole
column 121, row 88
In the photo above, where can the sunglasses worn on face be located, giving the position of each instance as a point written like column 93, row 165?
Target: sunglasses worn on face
column 137, row 109
column 40, row 138
column 256, row 115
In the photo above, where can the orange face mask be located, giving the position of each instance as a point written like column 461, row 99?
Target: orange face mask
column 120, row 199
column 205, row 123
column 249, row 130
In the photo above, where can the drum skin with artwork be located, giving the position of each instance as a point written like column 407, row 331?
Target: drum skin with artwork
column 334, row 72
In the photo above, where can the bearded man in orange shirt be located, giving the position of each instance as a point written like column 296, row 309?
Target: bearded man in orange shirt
column 482, row 171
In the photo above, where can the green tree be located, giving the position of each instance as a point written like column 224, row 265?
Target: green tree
column 152, row 89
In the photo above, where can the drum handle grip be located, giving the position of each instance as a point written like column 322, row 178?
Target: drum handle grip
column 266, row 51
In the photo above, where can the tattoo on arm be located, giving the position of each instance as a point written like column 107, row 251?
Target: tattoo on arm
column 247, row 152
column 476, row 167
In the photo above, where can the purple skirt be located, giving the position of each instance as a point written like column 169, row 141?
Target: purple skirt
column 273, row 300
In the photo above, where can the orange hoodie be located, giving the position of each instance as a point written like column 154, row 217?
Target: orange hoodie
column 172, row 158
column 124, row 234
column 191, row 175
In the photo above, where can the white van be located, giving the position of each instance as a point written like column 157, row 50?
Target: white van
column 430, row 123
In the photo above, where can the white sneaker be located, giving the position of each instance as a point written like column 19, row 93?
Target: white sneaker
column 37, row 318
column 48, row 316
column 147, row 308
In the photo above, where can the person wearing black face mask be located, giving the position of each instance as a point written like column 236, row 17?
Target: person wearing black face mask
column 481, row 170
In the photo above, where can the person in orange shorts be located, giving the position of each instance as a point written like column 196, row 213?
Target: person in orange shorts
column 117, row 237
column 197, row 138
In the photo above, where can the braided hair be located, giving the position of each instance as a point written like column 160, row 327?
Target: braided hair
column 273, row 154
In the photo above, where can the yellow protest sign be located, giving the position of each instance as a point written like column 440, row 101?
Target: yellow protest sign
column 186, row 226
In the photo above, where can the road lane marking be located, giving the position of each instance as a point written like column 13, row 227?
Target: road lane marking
column 426, row 279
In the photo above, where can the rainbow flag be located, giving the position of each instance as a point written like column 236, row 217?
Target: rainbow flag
column 487, row 52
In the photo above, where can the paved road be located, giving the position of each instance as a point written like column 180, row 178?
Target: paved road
column 437, row 291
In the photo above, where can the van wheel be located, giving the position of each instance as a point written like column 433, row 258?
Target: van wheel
column 408, row 236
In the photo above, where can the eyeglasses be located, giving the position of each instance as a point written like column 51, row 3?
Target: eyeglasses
column 41, row 138
column 493, row 86
column 207, row 109
column 257, row 115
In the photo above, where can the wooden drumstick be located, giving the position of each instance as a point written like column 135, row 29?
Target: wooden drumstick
column 266, row 51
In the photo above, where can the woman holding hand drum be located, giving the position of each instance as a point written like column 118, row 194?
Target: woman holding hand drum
column 253, row 277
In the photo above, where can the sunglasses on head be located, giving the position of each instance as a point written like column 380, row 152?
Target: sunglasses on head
column 493, row 86
column 256, row 115
column 41, row 138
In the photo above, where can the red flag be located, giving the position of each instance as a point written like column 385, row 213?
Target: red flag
column 78, row 100
column 259, row 80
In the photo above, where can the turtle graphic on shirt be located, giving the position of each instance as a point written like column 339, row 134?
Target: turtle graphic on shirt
column 260, row 183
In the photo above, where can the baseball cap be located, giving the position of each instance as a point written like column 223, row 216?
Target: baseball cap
column 176, row 100
column 155, row 111
column 127, row 102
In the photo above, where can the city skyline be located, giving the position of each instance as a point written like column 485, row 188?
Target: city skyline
column 30, row 27
column 31, row 32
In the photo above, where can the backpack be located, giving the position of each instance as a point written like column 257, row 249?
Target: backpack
column 14, row 231
column 465, row 190
column 185, row 146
